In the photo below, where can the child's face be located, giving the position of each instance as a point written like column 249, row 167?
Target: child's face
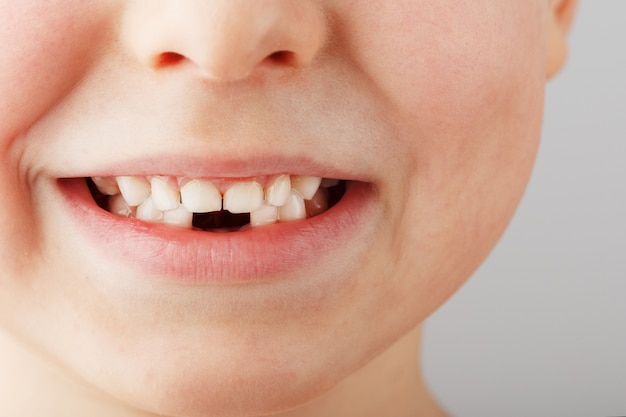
column 430, row 109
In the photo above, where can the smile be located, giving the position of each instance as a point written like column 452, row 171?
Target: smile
column 216, row 205
column 222, row 225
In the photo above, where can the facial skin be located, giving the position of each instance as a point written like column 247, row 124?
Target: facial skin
column 436, row 105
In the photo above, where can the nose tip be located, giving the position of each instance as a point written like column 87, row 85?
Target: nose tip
column 227, row 40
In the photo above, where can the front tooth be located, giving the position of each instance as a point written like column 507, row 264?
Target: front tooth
column 307, row 186
column 180, row 217
column 318, row 204
column 165, row 193
column 119, row 206
column 149, row 212
column 243, row 197
column 264, row 215
column 278, row 191
column 135, row 190
column 106, row 185
column 200, row 196
column 293, row 209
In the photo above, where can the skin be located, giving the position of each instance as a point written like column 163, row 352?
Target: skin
column 443, row 101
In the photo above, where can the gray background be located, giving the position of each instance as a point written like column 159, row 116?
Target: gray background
column 540, row 330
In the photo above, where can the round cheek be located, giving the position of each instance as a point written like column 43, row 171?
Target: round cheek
column 465, row 81
column 46, row 48
column 43, row 43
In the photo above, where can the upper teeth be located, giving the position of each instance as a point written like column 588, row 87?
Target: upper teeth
column 306, row 186
column 135, row 190
column 174, row 200
column 278, row 191
column 243, row 197
column 200, row 196
column 165, row 193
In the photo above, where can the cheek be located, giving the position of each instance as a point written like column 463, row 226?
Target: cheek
column 473, row 119
column 464, row 81
column 465, row 85
column 47, row 45
column 450, row 60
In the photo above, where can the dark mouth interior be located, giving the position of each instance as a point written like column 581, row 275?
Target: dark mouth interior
column 223, row 220
column 220, row 220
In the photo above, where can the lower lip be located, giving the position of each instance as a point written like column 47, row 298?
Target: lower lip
column 253, row 255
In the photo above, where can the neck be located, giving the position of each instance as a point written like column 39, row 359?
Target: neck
column 391, row 384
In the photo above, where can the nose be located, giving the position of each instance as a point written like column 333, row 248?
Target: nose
column 227, row 40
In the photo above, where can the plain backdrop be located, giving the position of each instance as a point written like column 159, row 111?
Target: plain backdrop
column 540, row 329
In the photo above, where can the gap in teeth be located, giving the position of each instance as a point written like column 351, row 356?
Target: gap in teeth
column 218, row 206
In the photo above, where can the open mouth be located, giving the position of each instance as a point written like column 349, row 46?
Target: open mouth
column 216, row 205
column 219, row 229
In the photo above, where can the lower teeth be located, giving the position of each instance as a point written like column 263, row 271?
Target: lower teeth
column 223, row 220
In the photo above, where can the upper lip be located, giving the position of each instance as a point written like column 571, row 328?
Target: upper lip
column 211, row 165
column 216, row 166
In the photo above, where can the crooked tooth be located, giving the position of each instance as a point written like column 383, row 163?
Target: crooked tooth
column 180, row 217
column 149, row 212
column 264, row 215
column 243, row 197
column 293, row 209
column 119, row 206
column 277, row 193
column 306, row 185
column 106, row 185
column 135, row 190
column 165, row 193
column 318, row 204
column 200, row 196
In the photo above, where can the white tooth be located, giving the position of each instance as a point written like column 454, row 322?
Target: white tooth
column 200, row 196
column 134, row 189
column 278, row 191
column 165, row 193
column 318, row 204
column 264, row 215
column 293, row 209
column 329, row 182
column 106, row 185
column 305, row 185
column 119, row 206
column 149, row 212
column 180, row 217
column 243, row 197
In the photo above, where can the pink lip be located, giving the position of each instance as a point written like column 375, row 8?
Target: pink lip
column 252, row 255
column 215, row 165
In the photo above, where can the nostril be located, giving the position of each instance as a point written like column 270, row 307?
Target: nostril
column 167, row 59
column 171, row 59
column 287, row 58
